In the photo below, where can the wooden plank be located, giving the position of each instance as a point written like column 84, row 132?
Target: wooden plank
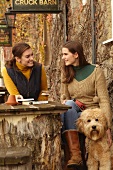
column 27, row 166
column 19, row 108
column 14, row 155
column 17, row 155
column 2, row 156
column 60, row 106
column 51, row 106
column 35, row 113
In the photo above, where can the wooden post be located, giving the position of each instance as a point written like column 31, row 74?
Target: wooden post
column 15, row 158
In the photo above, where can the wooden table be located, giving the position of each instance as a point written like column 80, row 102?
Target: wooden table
column 37, row 127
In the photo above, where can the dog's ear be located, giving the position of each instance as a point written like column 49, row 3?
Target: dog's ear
column 80, row 125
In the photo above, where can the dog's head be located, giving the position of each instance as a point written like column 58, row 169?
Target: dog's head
column 92, row 123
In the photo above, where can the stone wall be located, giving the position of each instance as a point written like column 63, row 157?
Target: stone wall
column 78, row 24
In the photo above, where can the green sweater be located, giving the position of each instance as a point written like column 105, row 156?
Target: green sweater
column 87, row 84
column 83, row 72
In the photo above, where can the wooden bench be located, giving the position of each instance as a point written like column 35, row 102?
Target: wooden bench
column 15, row 158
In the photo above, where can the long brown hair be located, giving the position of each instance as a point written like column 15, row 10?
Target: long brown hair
column 68, row 71
column 17, row 51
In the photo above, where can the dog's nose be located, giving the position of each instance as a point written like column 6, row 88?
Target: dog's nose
column 93, row 127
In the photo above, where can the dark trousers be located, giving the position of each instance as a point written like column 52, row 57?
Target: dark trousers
column 69, row 117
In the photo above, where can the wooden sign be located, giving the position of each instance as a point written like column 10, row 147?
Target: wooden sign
column 37, row 6
column 5, row 35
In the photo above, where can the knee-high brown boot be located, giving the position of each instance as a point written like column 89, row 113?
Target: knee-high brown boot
column 67, row 157
column 72, row 139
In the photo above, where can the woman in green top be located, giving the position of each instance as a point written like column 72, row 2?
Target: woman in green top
column 86, row 84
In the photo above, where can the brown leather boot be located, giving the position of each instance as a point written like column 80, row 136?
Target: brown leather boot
column 66, row 157
column 72, row 140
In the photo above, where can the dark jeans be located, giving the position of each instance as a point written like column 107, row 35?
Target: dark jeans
column 69, row 117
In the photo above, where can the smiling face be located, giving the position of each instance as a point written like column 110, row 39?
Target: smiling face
column 27, row 58
column 70, row 58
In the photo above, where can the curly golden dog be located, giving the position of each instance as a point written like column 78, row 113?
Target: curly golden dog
column 93, row 124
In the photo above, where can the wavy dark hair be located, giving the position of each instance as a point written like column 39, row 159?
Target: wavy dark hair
column 68, row 71
column 17, row 51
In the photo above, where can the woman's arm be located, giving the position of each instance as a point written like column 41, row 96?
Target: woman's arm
column 10, row 86
column 102, row 93
column 104, row 101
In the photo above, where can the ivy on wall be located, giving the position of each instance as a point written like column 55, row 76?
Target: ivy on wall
column 29, row 28
column 3, row 6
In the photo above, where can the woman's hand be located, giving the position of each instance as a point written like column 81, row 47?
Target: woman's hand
column 109, row 137
column 64, row 101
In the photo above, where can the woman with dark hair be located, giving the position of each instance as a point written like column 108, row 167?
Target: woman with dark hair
column 24, row 76
column 83, row 86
